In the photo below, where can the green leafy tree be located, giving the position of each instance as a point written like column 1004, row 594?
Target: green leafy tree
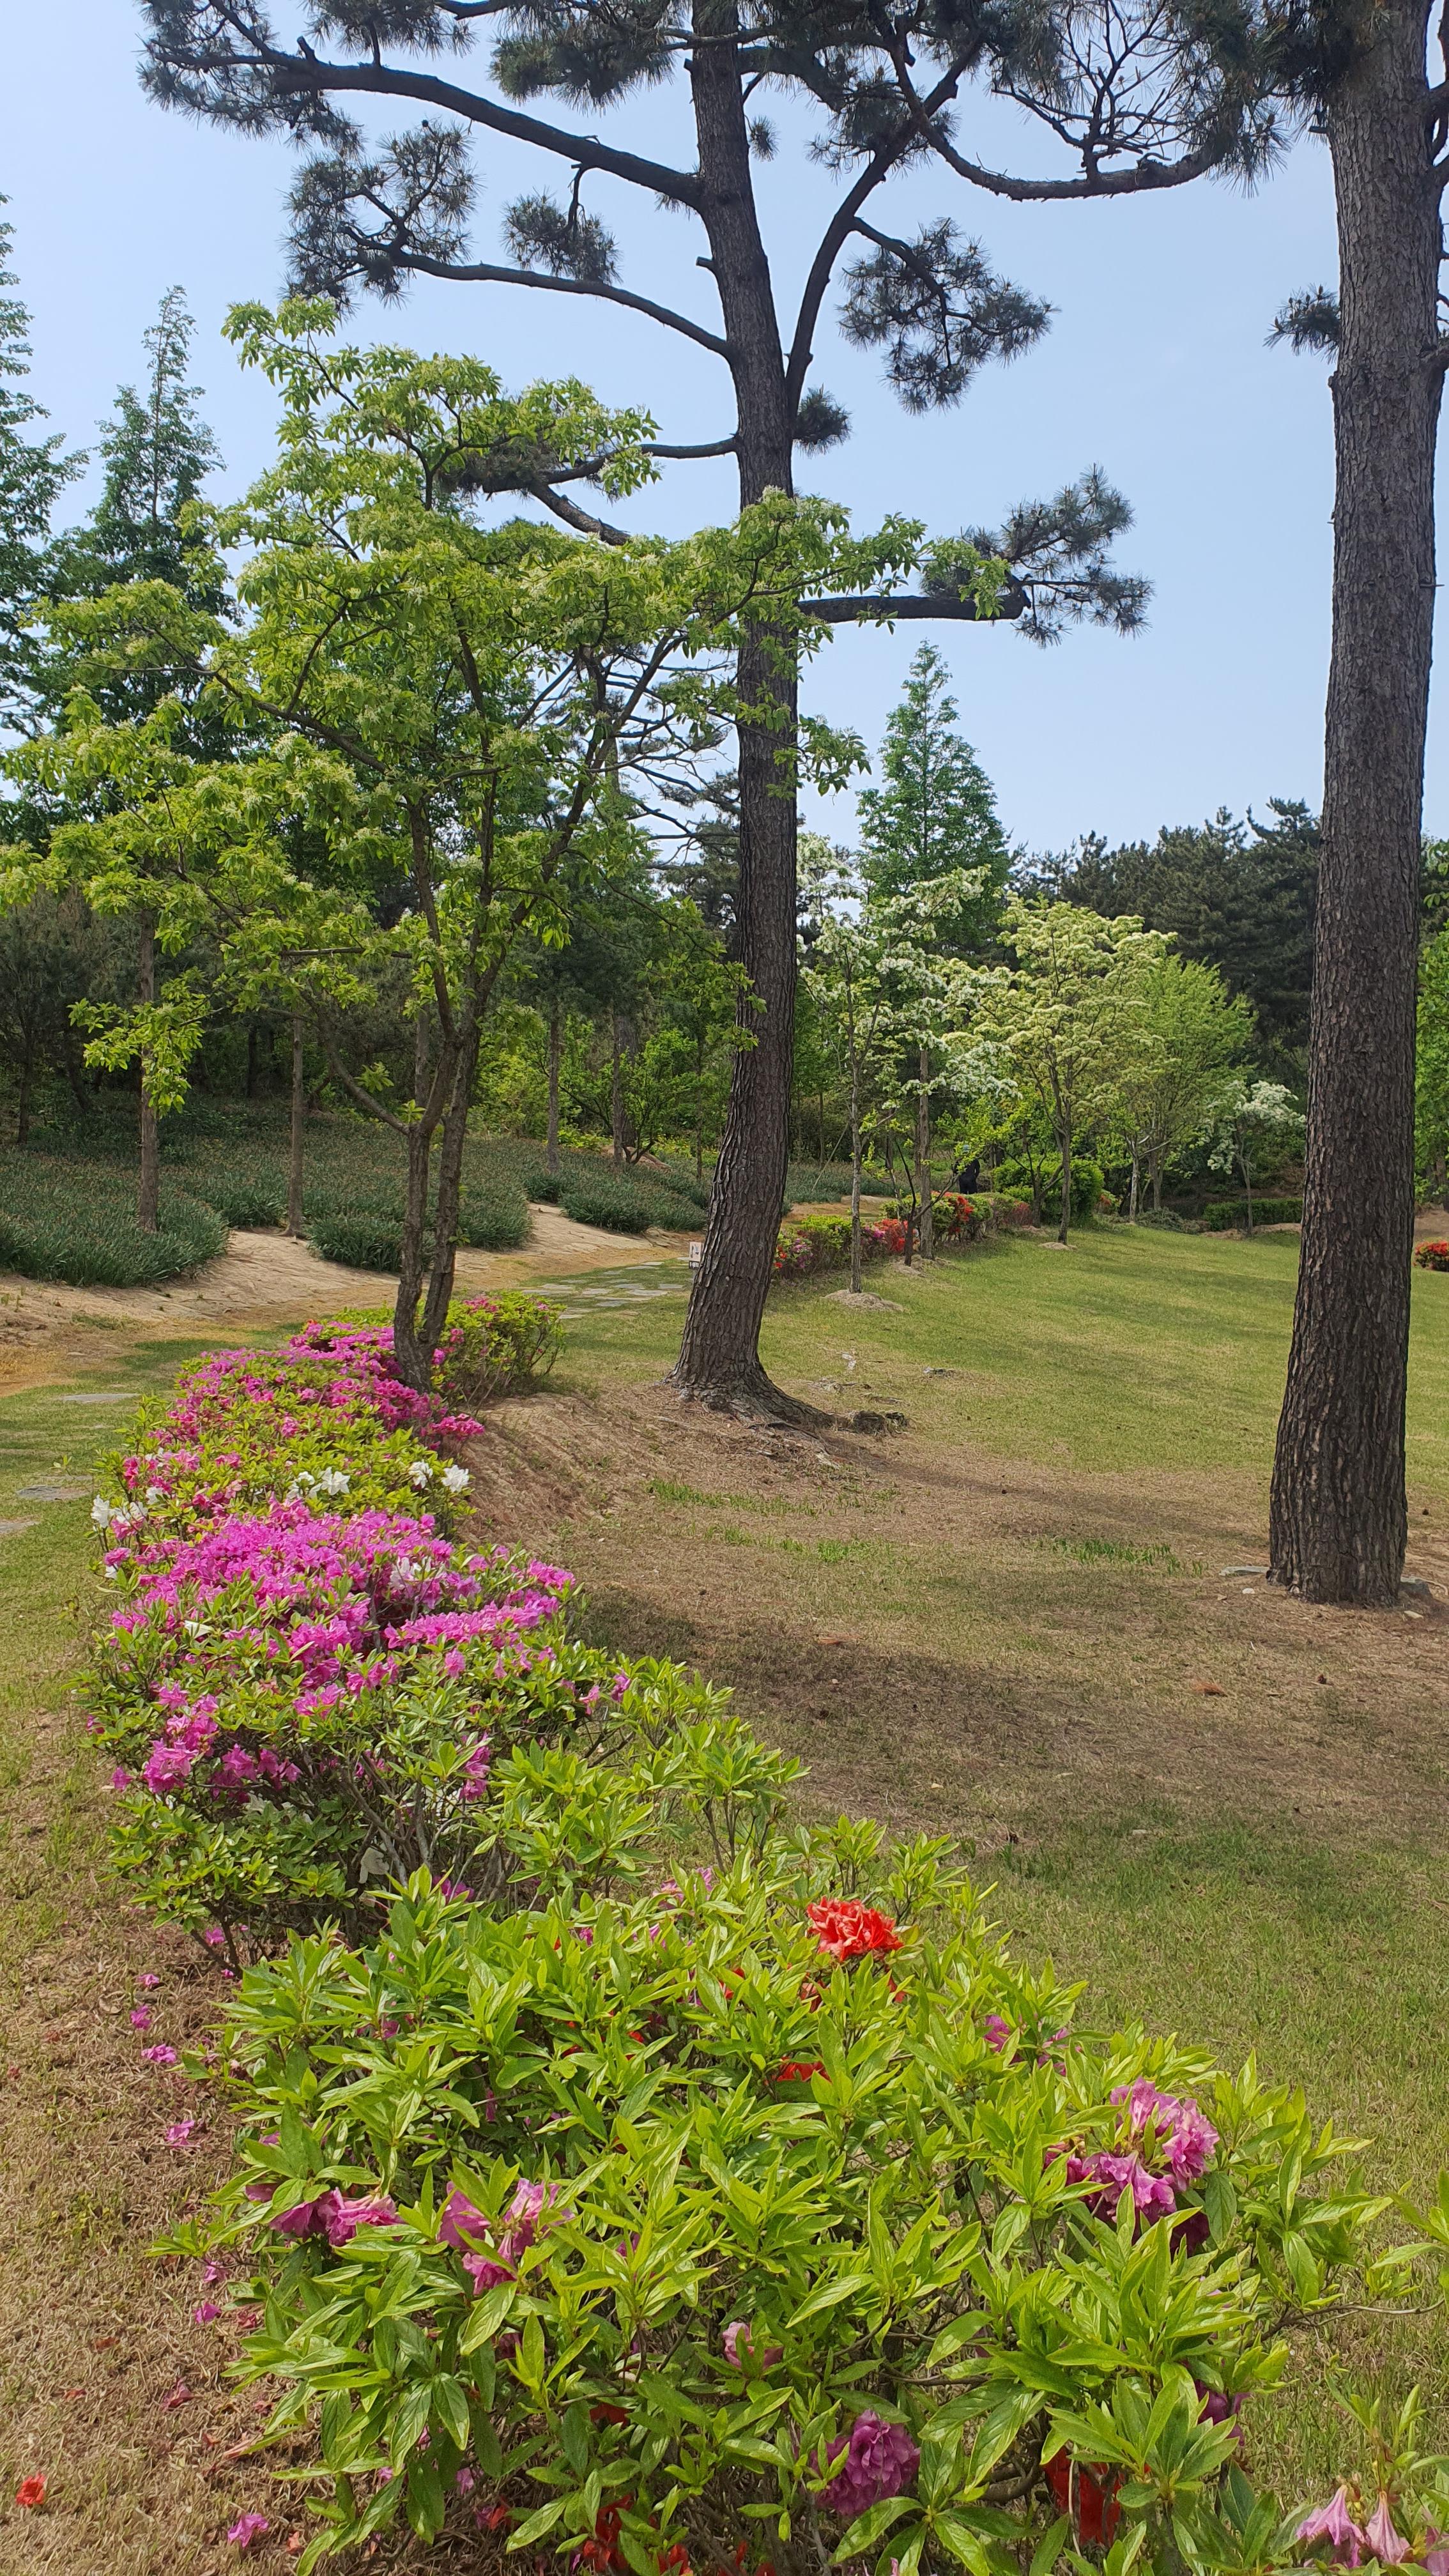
column 1237, row 896
column 1067, row 1013
column 1190, row 1033
column 490, row 690
column 33, row 474
column 1431, row 1070
column 157, row 453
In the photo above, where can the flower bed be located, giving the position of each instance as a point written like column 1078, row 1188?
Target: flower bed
column 729, row 2217
column 1432, row 1256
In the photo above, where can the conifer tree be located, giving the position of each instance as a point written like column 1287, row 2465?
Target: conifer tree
column 936, row 810
column 33, row 473
column 1140, row 98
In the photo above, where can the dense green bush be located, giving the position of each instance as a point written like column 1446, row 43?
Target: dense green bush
column 1088, row 1185
column 1221, row 1215
column 600, row 1199
column 56, row 1224
column 494, row 1346
column 493, row 1220
column 359, row 1239
column 250, row 1195
column 805, row 1182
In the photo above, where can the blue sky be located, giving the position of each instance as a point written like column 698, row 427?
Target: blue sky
column 1155, row 368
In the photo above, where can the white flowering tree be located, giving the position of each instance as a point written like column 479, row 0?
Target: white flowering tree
column 1251, row 1114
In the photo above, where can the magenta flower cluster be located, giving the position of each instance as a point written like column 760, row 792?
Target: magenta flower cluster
column 465, row 2227
column 1168, row 2144
column 876, row 2460
column 1348, row 2543
column 253, row 1592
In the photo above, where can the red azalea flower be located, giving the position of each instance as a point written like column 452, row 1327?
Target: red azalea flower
column 792, row 2069
column 30, row 2492
column 850, row 1930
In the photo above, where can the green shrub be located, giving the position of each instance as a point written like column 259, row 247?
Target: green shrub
column 1220, row 1215
column 495, row 1346
column 1088, row 1186
column 255, row 1198
column 538, row 1182
column 360, row 1240
column 599, row 1199
column 1163, row 1219
column 494, row 1220
column 58, row 1224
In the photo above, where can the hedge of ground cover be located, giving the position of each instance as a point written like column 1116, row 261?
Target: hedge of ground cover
column 54, row 1225
column 668, row 2217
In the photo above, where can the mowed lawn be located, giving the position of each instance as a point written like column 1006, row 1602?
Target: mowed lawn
column 1223, row 1811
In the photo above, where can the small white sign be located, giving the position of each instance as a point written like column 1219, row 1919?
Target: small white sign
column 696, row 1255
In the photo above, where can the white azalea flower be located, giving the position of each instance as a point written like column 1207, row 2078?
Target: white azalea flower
column 102, row 1512
column 456, row 1479
column 333, row 1482
column 420, row 1473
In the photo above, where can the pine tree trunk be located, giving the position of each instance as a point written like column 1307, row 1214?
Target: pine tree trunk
column 297, row 1139
column 719, row 1358
column 148, row 1199
column 555, row 1058
column 923, row 1157
column 1339, row 1516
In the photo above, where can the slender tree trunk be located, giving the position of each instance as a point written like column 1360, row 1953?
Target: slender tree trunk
column 448, row 1207
column 251, row 1089
column 297, row 1139
column 1248, row 1186
column 1066, row 1184
column 148, row 1201
column 74, row 1069
column 719, row 1358
column 22, row 1099
column 854, row 1176
column 1155, row 1170
column 1339, row 1515
column 923, row 1156
column 1132, row 1193
column 555, row 1058
column 616, row 1094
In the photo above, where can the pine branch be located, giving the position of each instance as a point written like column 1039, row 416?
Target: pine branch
column 483, row 273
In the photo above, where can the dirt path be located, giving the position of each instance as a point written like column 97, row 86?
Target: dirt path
column 266, row 1280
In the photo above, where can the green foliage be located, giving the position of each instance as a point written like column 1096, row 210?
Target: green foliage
column 52, row 1229
column 1088, row 1184
column 496, row 1346
column 763, row 2194
column 358, row 1238
column 623, row 1205
column 1221, row 1215
column 33, row 473
column 935, row 811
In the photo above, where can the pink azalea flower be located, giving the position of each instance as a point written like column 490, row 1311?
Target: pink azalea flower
column 149, row 1979
column 141, row 2018
column 739, row 2348
column 206, row 2314
column 247, row 2528
column 181, row 2132
column 158, row 2057
column 1334, row 2523
column 1388, row 2546
column 876, row 2459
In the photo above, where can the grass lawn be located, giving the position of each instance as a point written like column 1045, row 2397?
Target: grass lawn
column 1224, row 1810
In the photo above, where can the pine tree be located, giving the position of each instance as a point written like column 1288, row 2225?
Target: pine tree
column 1140, row 98
column 33, row 472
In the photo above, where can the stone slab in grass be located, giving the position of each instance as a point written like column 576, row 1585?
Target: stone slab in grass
column 46, row 1493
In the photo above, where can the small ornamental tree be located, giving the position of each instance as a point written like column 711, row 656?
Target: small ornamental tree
column 1253, row 1117
column 1067, row 1012
column 888, row 996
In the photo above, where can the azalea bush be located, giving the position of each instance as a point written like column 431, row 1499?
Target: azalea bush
column 808, row 1245
column 735, row 2222
column 498, row 1345
column 1432, row 1256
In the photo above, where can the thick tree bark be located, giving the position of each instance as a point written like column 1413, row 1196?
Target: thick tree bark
column 555, row 1058
column 148, row 1197
column 1339, row 1519
column 296, row 1215
column 719, row 1358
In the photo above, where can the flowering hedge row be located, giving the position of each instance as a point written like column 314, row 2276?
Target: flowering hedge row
column 1432, row 1256
column 810, row 1244
column 623, row 2166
